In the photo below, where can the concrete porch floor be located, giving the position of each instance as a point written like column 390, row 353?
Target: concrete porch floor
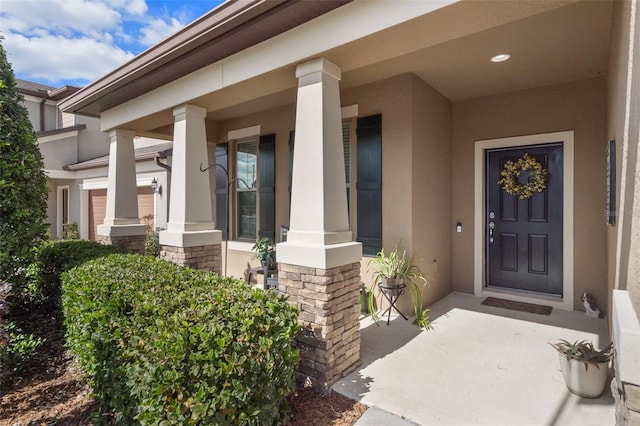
column 478, row 366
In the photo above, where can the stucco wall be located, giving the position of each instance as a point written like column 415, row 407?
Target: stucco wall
column 431, row 189
column 59, row 153
column 616, row 103
column 392, row 99
column 416, row 173
column 92, row 142
column 578, row 106
column 624, row 239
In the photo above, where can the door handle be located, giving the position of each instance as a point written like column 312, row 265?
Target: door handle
column 491, row 226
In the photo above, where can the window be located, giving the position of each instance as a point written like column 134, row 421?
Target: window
column 246, row 183
column 253, row 185
column 62, row 208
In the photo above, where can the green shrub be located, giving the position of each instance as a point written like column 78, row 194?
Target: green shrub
column 23, row 183
column 16, row 348
column 164, row 345
column 52, row 258
column 70, row 231
column 152, row 243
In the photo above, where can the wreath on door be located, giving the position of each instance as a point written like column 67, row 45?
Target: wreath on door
column 524, row 177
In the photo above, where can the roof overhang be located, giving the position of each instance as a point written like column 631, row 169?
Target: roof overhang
column 231, row 27
column 232, row 64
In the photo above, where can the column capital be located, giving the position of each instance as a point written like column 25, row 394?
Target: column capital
column 114, row 133
column 181, row 112
column 320, row 65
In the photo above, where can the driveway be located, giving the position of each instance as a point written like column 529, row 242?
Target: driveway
column 478, row 366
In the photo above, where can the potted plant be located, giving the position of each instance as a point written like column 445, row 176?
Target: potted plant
column 584, row 368
column 395, row 273
column 265, row 252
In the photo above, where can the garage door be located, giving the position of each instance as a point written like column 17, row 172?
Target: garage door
column 98, row 206
column 145, row 205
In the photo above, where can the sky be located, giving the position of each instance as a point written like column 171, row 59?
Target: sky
column 74, row 42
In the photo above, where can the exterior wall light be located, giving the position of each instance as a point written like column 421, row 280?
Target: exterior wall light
column 157, row 189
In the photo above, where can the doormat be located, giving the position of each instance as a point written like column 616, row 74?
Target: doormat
column 517, row 306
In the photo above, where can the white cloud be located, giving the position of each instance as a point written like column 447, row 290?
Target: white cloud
column 134, row 7
column 66, row 17
column 80, row 40
column 158, row 29
column 57, row 59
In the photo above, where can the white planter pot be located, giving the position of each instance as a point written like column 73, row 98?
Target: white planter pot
column 587, row 382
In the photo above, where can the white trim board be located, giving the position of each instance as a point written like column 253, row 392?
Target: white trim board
column 566, row 301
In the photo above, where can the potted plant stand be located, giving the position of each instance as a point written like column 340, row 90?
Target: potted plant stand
column 392, row 289
column 265, row 253
column 394, row 274
column 585, row 369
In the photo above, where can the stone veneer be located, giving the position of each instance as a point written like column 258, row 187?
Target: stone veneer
column 131, row 243
column 328, row 300
column 627, row 398
column 208, row 257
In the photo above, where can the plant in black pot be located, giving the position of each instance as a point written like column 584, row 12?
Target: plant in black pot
column 265, row 252
column 394, row 274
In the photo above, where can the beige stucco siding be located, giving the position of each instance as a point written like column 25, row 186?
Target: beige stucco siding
column 392, row 99
column 579, row 106
column 431, row 191
column 59, row 152
column 624, row 239
column 416, row 174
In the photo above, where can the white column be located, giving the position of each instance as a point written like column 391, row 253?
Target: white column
column 190, row 212
column 121, row 215
column 319, row 233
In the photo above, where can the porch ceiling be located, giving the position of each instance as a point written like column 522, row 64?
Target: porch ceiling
column 549, row 42
column 563, row 44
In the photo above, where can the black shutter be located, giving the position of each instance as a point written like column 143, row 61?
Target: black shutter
column 222, row 207
column 369, row 186
column 292, row 136
column 267, row 188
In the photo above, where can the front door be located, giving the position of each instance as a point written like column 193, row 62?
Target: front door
column 524, row 236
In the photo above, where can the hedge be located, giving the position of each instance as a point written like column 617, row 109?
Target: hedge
column 163, row 344
column 51, row 259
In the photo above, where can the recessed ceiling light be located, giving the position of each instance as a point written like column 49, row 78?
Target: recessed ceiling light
column 501, row 57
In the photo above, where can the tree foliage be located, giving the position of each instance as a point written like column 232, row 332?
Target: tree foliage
column 23, row 184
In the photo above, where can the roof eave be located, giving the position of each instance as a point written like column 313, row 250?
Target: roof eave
column 227, row 16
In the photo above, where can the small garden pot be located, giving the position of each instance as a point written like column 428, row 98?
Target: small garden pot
column 586, row 380
column 392, row 286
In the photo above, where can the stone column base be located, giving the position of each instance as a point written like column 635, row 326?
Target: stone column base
column 131, row 243
column 627, row 400
column 329, row 304
column 206, row 257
